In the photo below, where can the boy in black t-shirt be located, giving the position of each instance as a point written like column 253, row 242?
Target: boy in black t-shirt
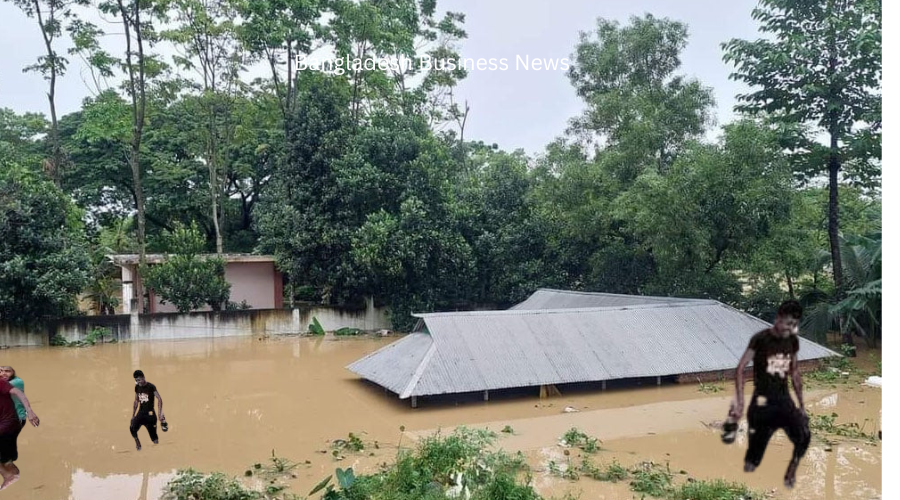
column 142, row 415
column 774, row 354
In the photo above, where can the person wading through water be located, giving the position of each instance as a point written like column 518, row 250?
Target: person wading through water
column 774, row 355
column 142, row 415
column 8, row 373
column 10, row 427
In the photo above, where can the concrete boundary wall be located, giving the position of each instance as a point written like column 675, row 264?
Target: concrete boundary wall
column 197, row 325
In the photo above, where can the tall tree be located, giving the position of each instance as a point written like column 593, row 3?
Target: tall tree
column 208, row 41
column 52, row 17
column 278, row 33
column 819, row 66
column 638, row 107
column 139, row 66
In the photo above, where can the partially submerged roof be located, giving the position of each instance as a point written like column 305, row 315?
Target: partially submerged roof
column 156, row 258
column 476, row 351
column 546, row 298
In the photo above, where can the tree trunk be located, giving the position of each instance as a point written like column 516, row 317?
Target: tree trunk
column 138, row 107
column 56, row 149
column 834, row 167
column 790, row 284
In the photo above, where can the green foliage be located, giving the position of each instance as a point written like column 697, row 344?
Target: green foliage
column 186, row 278
column 861, row 307
column 827, row 425
column 575, row 438
column 717, row 489
column 711, row 388
column 614, row 472
column 316, row 328
column 19, row 143
column 190, row 484
column 353, row 443
column 820, row 65
column 645, row 111
column 438, row 464
column 97, row 334
column 44, row 263
column 347, row 332
column 651, row 479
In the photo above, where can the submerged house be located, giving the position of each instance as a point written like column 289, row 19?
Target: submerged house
column 557, row 337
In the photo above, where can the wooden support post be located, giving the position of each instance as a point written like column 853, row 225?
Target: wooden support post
column 415, row 403
column 603, row 386
column 658, row 380
column 485, row 395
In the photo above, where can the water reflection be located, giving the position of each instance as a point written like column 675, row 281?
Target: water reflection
column 145, row 486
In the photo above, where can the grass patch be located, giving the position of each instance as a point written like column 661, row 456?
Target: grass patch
column 827, row 424
column 576, row 438
column 508, row 430
column 353, row 443
column 714, row 490
column 833, row 369
column 711, row 388
column 651, row 479
column 612, row 472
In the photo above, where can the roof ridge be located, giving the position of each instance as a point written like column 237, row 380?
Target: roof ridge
column 420, row 370
column 570, row 310
column 608, row 294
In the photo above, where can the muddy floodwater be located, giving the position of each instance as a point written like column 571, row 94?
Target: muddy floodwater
column 231, row 402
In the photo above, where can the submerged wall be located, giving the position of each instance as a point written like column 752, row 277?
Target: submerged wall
column 197, row 325
column 15, row 336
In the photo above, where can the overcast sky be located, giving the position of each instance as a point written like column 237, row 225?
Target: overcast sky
column 513, row 108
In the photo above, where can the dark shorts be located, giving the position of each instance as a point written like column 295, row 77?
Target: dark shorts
column 9, row 451
column 777, row 412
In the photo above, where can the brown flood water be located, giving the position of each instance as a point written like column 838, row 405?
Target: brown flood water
column 231, row 402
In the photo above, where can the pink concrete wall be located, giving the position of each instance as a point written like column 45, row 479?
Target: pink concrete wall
column 251, row 281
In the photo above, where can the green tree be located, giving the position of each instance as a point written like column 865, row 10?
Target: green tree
column 496, row 212
column 820, row 67
column 186, row 278
column 52, row 16
column 206, row 36
column 639, row 108
column 43, row 261
column 19, row 139
column 706, row 217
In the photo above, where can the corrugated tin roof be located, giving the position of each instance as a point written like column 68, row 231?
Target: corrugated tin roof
column 476, row 351
column 546, row 298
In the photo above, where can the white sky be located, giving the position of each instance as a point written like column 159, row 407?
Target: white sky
column 513, row 108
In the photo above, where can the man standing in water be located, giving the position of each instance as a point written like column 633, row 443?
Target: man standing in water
column 10, row 427
column 774, row 354
column 142, row 415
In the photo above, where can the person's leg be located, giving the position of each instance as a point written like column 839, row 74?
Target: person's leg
column 796, row 426
column 133, row 428
column 8, row 454
column 759, row 433
column 151, row 428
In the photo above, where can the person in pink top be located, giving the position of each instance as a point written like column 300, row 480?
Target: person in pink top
column 10, row 427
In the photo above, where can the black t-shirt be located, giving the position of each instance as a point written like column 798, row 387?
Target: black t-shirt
column 146, row 395
column 772, row 362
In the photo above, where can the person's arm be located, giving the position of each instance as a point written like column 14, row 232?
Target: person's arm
column 738, row 405
column 159, row 398
column 797, row 381
column 134, row 410
column 35, row 421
